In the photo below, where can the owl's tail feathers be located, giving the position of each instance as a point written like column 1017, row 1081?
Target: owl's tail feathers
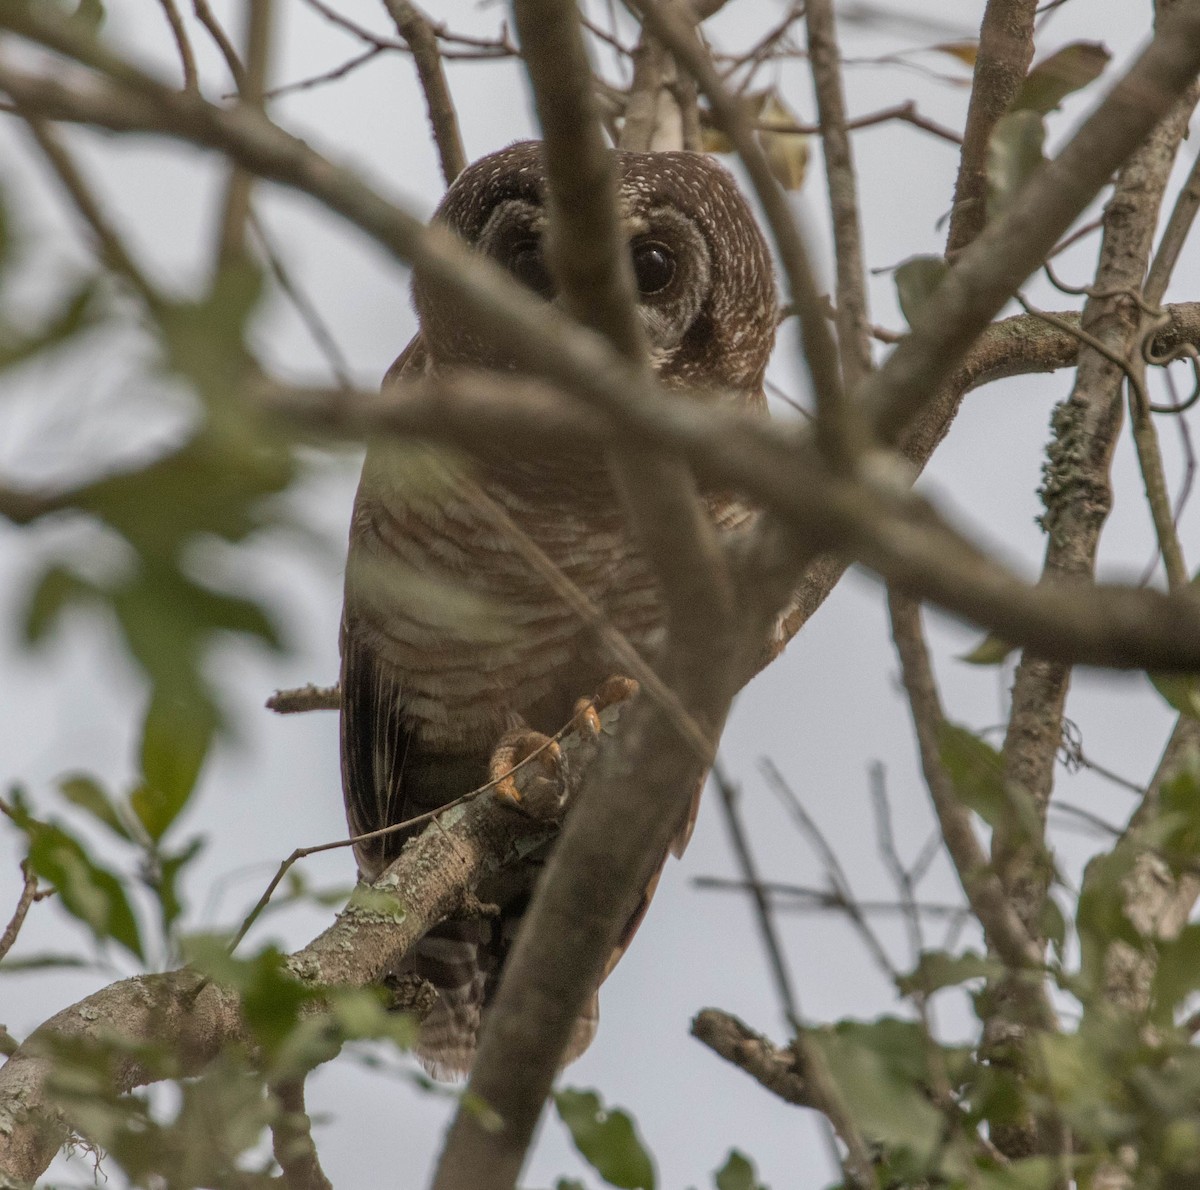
column 455, row 958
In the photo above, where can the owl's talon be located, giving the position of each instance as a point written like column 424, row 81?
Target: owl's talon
column 516, row 747
column 585, row 720
column 615, row 689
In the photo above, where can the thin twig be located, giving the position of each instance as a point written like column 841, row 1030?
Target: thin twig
column 221, row 39
column 252, row 87
column 419, row 35
column 30, row 893
column 853, row 316
column 187, row 58
column 318, row 328
column 832, row 865
column 753, row 883
column 110, row 247
column 305, row 698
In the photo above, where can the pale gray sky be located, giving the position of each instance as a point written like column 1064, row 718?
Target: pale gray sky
column 823, row 713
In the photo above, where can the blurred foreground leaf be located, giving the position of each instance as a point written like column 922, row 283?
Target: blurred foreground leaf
column 607, row 1139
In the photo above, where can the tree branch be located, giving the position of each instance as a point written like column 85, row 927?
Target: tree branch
column 434, row 878
column 774, row 1067
column 853, row 316
column 1004, row 54
column 417, row 30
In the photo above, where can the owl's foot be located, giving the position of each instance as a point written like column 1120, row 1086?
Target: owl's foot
column 586, row 718
column 543, row 794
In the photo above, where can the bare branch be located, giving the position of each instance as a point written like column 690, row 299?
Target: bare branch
column 292, row 1142
column 29, row 894
column 1010, row 248
column 418, row 32
column 305, row 698
column 1002, row 927
column 752, row 882
column 773, row 1066
column 252, row 87
column 187, row 58
column 853, row 315
column 1005, row 52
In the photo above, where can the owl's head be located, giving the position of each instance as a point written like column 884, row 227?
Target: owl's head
column 706, row 290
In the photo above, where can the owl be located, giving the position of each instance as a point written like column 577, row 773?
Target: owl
column 457, row 655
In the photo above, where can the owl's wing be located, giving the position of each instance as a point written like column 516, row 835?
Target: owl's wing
column 374, row 739
column 374, row 743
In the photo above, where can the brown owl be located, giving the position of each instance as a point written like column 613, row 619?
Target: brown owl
column 453, row 646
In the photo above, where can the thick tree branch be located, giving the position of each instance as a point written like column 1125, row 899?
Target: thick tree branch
column 1077, row 491
column 434, row 878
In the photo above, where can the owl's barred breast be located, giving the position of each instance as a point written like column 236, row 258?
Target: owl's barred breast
column 474, row 636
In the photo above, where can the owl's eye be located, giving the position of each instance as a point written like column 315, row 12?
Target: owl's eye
column 653, row 266
column 528, row 265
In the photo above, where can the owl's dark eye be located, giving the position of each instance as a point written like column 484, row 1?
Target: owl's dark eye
column 528, row 265
column 653, row 266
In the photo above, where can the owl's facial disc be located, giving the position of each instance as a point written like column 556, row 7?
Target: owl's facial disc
column 670, row 261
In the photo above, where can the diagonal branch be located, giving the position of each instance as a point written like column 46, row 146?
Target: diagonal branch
column 415, row 27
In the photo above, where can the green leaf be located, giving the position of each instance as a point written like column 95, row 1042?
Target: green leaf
column 176, row 737
column 990, row 651
column 569, row 1184
column 1030, row 1173
column 50, row 596
column 1179, row 816
column 1177, row 974
column 977, row 771
column 936, row 970
column 1014, row 155
column 737, row 1174
column 881, row 1069
column 1053, row 926
column 607, row 1140
column 164, row 880
column 88, row 794
column 89, row 892
column 1067, row 70
column 916, row 279
column 1100, row 916
column 6, row 236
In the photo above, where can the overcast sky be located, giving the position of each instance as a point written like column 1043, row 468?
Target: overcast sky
column 823, row 714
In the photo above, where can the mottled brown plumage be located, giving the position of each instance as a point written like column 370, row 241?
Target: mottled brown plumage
column 450, row 639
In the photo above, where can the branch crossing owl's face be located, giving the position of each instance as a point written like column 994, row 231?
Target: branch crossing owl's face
column 706, row 292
